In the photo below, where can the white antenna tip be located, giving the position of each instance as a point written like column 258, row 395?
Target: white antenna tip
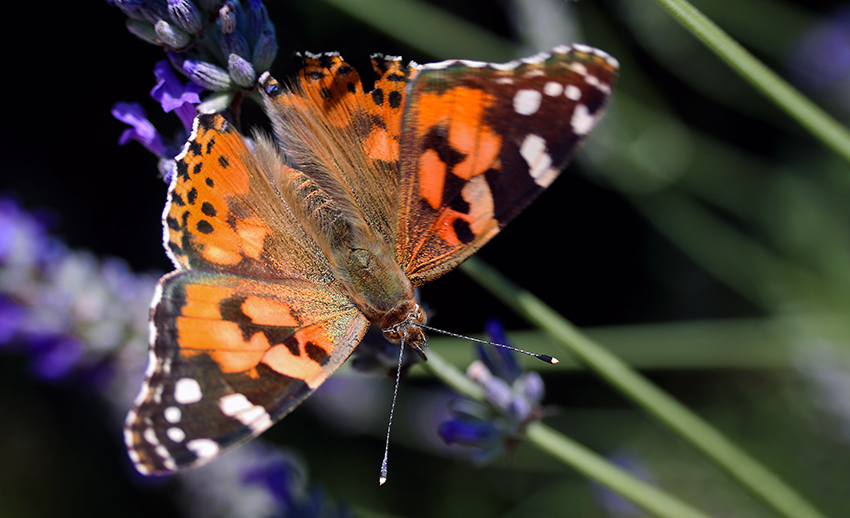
column 554, row 361
column 382, row 480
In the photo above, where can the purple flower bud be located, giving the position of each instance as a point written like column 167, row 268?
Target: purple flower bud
column 234, row 43
column 186, row 16
column 171, row 35
column 265, row 51
column 530, row 385
column 499, row 393
column 519, row 409
column 141, row 129
column 501, row 362
column 468, row 432
column 227, row 17
column 258, row 19
column 207, row 75
column 241, row 71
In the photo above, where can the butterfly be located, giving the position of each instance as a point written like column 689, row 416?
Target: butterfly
column 287, row 249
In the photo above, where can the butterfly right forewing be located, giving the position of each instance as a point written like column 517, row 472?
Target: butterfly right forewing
column 481, row 140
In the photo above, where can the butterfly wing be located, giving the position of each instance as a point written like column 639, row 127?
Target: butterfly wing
column 344, row 138
column 250, row 323
column 225, row 208
column 480, row 141
column 230, row 356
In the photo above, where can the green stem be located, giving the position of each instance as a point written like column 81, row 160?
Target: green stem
column 808, row 114
column 753, row 476
column 573, row 454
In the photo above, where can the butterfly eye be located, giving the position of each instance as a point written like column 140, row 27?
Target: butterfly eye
column 419, row 316
column 393, row 335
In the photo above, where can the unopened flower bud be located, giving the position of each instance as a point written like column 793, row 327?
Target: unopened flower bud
column 207, row 75
column 186, row 16
column 241, row 71
column 171, row 35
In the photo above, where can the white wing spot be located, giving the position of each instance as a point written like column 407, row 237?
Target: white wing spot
column 150, row 436
column 578, row 68
column 203, row 448
column 175, row 434
column 187, row 391
column 533, row 150
column 172, row 414
column 527, row 102
column 582, row 120
column 238, row 406
column 233, row 404
column 573, row 92
column 553, row 89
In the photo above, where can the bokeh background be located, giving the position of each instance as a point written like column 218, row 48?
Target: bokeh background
column 701, row 234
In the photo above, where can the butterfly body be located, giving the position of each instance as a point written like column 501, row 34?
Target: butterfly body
column 286, row 251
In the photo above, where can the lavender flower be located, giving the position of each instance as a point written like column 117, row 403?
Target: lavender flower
column 513, row 401
column 173, row 96
column 241, row 48
column 82, row 320
column 68, row 312
column 140, row 130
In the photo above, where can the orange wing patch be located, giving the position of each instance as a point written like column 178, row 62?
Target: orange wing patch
column 225, row 213
column 203, row 221
column 290, row 326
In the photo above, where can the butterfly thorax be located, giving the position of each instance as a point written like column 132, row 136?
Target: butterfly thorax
column 363, row 263
column 369, row 275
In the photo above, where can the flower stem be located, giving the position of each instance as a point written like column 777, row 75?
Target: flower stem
column 650, row 498
column 807, row 113
column 759, row 481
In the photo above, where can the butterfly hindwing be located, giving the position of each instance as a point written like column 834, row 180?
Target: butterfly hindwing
column 230, row 356
column 481, row 140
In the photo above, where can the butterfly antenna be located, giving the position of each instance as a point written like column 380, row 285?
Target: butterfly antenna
column 383, row 478
column 542, row 357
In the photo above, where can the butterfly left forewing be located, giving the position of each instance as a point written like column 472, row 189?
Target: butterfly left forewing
column 344, row 138
column 481, row 140
column 231, row 355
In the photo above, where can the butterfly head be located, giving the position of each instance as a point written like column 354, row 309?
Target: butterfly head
column 403, row 325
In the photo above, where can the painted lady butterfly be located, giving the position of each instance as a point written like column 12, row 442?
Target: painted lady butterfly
column 287, row 251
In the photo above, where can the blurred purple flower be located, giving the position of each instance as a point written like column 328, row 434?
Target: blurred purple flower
column 82, row 320
column 821, row 58
column 255, row 480
column 513, row 401
column 64, row 310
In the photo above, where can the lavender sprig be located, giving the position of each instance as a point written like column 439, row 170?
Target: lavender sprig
column 513, row 401
column 221, row 46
